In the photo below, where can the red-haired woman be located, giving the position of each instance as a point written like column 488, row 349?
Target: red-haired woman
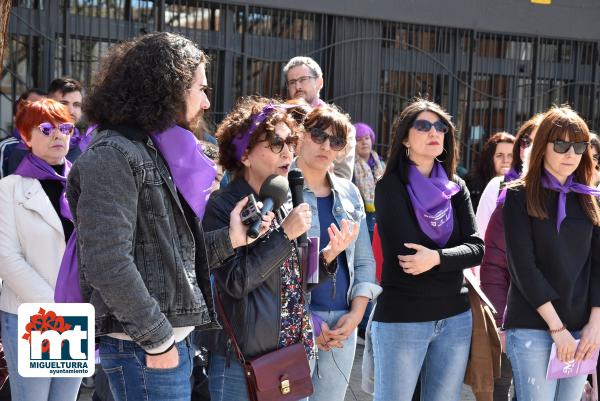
column 551, row 223
column 34, row 227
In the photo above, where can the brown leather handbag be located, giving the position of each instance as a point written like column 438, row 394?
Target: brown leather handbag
column 281, row 375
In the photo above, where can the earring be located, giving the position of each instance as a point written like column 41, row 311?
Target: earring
column 442, row 161
column 407, row 152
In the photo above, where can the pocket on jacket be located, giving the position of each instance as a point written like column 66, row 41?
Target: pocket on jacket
column 154, row 194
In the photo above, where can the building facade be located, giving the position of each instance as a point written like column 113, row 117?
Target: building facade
column 491, row 63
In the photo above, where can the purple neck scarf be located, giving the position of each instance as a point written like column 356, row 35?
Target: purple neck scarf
column 33, row 167
column 512, row 175
column 431, row 200
column 550, row 182
column 83, row 141
column 67, row 283
column 192, row 171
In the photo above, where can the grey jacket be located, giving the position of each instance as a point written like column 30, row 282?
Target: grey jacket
column 143, row 255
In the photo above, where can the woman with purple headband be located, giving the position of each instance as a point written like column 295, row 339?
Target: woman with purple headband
column 552, row 230
column 35, row 224
column 261, row 286
column 422, row 322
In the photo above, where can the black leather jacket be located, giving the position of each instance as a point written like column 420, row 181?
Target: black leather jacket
column 249, row 283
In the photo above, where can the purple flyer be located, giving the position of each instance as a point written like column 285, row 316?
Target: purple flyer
column 561, row 370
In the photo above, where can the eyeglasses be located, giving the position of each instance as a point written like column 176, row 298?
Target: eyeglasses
column 301, row 80
column 425, row 126
column 563, row 147
column 525, row 142
column 276, row 143
column 596, row 157
column 64, row 128
column 318, row 136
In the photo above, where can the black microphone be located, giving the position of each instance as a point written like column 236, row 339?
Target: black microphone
column 273, row 194
column 296, row 180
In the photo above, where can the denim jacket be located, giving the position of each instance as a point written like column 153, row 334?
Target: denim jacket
column 143, row 255
column 348, row 204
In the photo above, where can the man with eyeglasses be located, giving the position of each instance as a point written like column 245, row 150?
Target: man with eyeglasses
column 304, row 80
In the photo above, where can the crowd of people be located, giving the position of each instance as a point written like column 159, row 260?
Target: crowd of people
column 155, row 211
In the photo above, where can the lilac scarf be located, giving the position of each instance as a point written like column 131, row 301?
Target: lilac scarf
column 193, row 172
column 431, row 200
column 550, row 182
column 83, row 141
column 67, row 283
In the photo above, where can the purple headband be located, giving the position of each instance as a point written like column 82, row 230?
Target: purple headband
column 242, row 140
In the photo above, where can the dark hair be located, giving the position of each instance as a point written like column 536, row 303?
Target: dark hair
column 398, row 160
column 238, row 121
column 25, row 95
column 143, row 82
column 484, row 169
column 524, row 132
column 65, row 85
column 557, row 123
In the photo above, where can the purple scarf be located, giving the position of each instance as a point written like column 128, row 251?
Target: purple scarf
column 512, row 175
column 192, row 171
column 550, row 182
column 67, row 283
column 431, row 200
column 83, row 141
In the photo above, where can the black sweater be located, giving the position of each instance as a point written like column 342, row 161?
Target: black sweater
column 435, row 294
column 54, row 190
column 549, row 266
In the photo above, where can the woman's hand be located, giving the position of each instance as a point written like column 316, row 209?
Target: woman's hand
column 565, row 345
column 340, row 239
column 298, row 221
column 168, row 360
column 425, row 259
column 328, row 339
column 347, row 323
column 237, row 230
column 590, row 340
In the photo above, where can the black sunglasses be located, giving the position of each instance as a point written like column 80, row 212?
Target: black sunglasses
column 318, row 136
column 425, row 126
column 563, row 147
column 525, row 142
column 276, row 143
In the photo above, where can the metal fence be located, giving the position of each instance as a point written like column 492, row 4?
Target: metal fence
column 489, row 82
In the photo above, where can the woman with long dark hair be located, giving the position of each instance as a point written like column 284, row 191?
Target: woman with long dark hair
column 551, row 223
column 494, row 160
column 422, row 323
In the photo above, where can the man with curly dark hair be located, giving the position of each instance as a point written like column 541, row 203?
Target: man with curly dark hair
column 138, row 195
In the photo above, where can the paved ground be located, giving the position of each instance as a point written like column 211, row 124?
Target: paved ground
column 353, row 394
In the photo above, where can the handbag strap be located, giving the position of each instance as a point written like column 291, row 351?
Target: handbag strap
column 228, row 328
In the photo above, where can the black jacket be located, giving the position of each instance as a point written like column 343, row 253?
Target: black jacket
column 546, row 265
column 249, row 283
column 435, row 294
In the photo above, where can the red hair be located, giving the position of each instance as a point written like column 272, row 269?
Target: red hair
column 31, row 114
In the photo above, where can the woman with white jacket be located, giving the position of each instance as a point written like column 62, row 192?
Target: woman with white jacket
column 34, row 227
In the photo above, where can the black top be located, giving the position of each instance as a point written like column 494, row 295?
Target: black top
column 435, row 294
column 54, row 190
column 549, row 266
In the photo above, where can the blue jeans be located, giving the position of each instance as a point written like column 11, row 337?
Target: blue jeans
column 332, row 375
column 438, row 350
column 226, row 381
column 124, row 363
column 529, row 351
column 32, row 388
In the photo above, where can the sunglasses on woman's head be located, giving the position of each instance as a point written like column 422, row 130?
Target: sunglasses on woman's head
column 276, row 143
column 564, row 146
column 425, row 126
column 64, row 128
column 318, row 136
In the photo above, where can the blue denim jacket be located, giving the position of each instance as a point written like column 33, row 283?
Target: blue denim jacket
column 348, row 204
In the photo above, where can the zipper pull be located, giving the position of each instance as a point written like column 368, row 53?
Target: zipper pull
column 333, row 290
